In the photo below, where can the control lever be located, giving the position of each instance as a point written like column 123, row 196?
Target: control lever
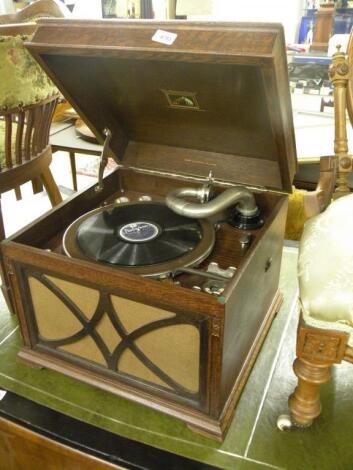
column 103, row 159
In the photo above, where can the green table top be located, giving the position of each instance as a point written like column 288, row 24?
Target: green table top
column 253, row 441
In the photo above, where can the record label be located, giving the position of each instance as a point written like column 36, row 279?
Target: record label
column 139, row 232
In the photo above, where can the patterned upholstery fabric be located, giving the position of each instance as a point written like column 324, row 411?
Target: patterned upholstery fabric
column 22, row 79
column 325, row 268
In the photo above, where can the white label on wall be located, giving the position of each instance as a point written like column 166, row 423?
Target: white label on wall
column 2, row 394
column 164, row 37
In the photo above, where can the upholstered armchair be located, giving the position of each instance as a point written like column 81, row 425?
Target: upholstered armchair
column 27, row 102
column 325, row 272
column 325, row 331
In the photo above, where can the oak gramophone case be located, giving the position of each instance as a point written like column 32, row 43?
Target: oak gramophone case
column 116, row 288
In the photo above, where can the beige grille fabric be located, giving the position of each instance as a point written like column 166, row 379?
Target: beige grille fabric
column 133, row 314
column 55, row 321
column 85, row 298
column 85, row 348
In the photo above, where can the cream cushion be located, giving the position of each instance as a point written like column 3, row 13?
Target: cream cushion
column 325, row 268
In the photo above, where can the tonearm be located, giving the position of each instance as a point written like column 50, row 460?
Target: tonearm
column 245, row 213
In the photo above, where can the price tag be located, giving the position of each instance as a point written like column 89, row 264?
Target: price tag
column 164, row 37
column 2, row 394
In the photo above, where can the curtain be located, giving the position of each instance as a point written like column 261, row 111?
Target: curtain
column 146, row 9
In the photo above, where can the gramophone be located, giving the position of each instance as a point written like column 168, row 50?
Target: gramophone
column 160, row 281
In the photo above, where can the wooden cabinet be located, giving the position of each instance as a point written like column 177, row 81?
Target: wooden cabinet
column 200, row 97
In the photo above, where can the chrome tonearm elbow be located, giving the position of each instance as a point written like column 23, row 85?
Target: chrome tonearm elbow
column 245, row 215
column 239, row 196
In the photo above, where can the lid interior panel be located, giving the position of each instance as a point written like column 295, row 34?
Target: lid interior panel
column 230, row 109
column 232, row 116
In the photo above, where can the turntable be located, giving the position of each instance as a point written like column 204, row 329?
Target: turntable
column 147, row 238
column 160, row 282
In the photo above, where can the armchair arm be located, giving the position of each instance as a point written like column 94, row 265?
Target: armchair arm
column 317, row 201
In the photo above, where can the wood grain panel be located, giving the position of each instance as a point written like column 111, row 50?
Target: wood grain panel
column 23, row 449
column 235, row 71
column 216, row 37
column 251, row 298
column 189, row 162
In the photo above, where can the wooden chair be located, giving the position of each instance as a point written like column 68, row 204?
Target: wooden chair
column 36, row 10
column 27, row 102
column 23, row 22
column 325, row 271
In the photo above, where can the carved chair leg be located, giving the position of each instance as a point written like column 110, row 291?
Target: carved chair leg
column 304, row 403
column 317, row 350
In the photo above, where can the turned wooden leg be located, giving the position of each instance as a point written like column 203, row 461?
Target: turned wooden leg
column 51, row 187
column 37, row 185
column 304, row 403
column 18, row 193
column 317, row 350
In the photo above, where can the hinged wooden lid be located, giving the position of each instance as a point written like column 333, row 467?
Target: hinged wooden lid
column 216, row 97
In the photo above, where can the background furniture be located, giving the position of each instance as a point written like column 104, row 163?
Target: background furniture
column 323, row 26
column 27, row 102
column 27, row 99
column 64, row 138
column 325, row 274
column 325, row 332
column 22, row 23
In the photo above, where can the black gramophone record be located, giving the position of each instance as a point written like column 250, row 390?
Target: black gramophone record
column 139, row 235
